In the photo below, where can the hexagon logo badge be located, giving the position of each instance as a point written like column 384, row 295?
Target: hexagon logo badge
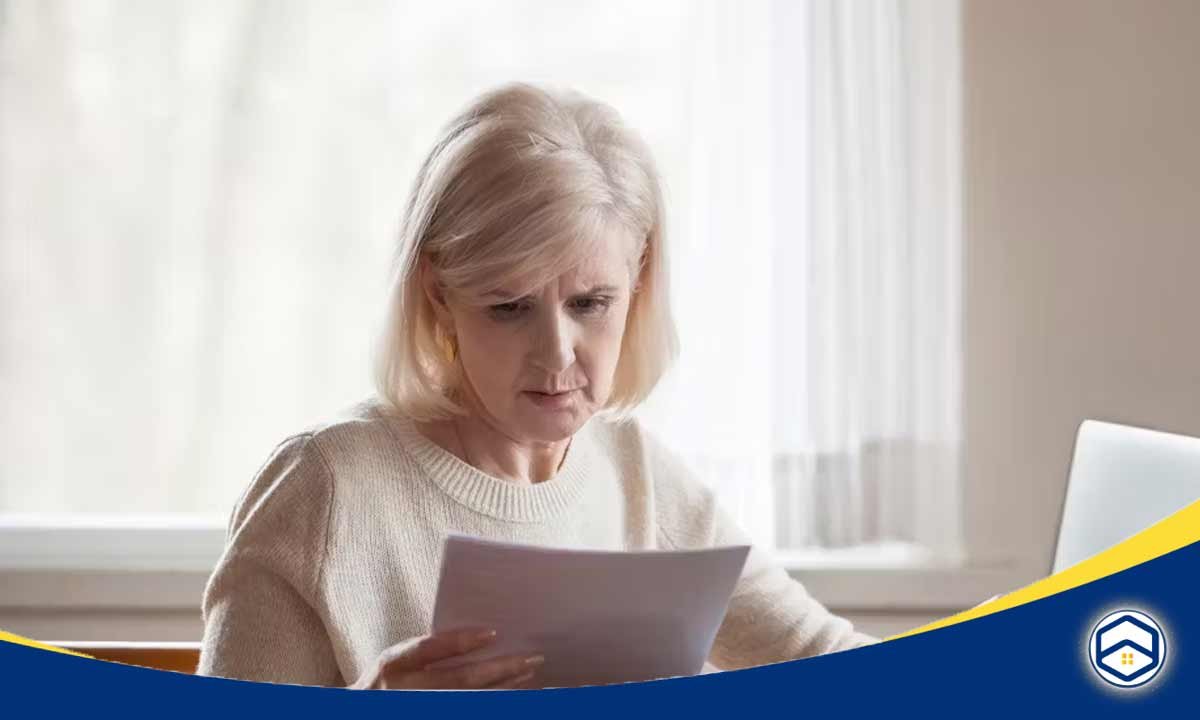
column 1127, row 648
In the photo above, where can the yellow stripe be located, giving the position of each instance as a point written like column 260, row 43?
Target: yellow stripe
column 1171, row 533
column 18, row 640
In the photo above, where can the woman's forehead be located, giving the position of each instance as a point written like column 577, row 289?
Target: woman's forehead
column 608, row 261
column 605, row 266
column 597, row 272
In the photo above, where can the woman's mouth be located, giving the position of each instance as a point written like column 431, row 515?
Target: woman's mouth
column 551, row 401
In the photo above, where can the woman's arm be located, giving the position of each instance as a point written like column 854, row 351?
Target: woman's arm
column 771, row 617
column 260, row 616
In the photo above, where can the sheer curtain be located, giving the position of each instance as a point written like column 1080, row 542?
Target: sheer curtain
column 819, row 275
column 198, row 202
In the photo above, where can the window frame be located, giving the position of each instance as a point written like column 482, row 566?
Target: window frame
column 160, row 563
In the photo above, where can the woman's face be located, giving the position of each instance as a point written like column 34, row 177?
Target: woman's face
column 538, row 366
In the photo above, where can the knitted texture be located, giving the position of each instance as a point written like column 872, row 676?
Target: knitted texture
column 334, row 549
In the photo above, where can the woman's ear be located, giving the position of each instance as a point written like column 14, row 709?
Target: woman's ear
column 638, row 270
column 436, row 295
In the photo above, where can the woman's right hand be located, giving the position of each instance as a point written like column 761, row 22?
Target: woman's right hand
column 404, row 666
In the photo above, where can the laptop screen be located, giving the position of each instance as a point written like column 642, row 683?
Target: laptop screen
column 1123, row 480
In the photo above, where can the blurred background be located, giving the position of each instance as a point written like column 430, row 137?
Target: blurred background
column 913, row 242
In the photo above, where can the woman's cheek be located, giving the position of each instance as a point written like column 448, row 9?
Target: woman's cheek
column 493, row 355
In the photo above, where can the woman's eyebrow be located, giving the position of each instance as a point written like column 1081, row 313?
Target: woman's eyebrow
column 501, row 295
column 599, row 289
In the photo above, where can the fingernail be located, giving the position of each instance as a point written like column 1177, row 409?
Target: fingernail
column 485, row 635
column 535, row 660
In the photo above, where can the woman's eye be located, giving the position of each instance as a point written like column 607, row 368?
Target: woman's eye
column 592, row 305
column 507, row 310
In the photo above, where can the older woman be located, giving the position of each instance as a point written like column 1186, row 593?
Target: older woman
column 528, row 318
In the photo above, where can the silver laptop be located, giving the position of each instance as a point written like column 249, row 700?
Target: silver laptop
column 1123, row 480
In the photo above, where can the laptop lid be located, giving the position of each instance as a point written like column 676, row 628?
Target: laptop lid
column 1123, row 479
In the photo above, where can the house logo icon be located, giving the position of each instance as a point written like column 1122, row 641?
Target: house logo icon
column 1127, row 648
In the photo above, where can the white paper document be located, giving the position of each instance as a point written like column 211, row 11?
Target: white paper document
column 599, row 617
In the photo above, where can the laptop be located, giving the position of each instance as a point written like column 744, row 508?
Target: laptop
column 1123, row 479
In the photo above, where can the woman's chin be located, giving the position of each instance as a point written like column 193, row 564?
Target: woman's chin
column 550, row 425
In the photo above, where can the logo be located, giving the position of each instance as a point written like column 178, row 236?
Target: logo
column 1127, row 648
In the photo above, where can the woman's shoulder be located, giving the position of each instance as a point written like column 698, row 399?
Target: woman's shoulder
column 300, row 473
column 640, row 449
column 365, row 431
column 307, row 461
column 685, row 508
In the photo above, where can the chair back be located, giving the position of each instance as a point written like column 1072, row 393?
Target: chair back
column 181, row 657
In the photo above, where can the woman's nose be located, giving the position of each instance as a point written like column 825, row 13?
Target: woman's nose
column 554, row 346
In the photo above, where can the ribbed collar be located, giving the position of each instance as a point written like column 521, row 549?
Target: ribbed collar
column 492, row 496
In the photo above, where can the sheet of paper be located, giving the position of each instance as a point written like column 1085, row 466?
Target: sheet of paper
column 599, row 617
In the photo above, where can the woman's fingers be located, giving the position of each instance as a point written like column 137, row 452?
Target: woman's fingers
column 523, row 682
column 407, row 664
column 410, row 657
column 486, row 673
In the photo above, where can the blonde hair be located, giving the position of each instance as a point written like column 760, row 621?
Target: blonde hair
column 522, row 185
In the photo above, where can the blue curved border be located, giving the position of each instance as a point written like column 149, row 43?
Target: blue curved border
column 962, row 669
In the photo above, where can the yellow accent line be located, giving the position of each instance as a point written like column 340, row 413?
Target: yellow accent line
column 1167, row 535
column 18, row 640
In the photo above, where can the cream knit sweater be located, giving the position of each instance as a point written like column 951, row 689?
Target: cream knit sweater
column 334, row 549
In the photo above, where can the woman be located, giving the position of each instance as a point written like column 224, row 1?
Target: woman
column 528, row 318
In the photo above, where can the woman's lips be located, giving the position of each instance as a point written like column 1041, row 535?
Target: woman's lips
column 551, row 401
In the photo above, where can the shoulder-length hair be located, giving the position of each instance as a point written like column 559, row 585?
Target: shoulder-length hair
column 521, row 185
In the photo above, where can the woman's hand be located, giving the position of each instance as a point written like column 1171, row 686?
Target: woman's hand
column 404, row 666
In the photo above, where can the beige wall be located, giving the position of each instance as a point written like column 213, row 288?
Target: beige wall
column 1082, row 227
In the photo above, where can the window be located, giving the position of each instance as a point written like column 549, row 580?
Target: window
column 199, row 203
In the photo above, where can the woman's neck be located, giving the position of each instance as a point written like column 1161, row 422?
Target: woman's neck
column 479, row 444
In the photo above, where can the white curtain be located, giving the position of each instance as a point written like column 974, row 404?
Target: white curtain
column 198, row 202
column 819, row 274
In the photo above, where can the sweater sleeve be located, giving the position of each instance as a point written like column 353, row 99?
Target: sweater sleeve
column 261, row 620
column 771, row 617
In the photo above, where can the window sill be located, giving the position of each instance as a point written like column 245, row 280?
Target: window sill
column 163, row 563
column 899, row 577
